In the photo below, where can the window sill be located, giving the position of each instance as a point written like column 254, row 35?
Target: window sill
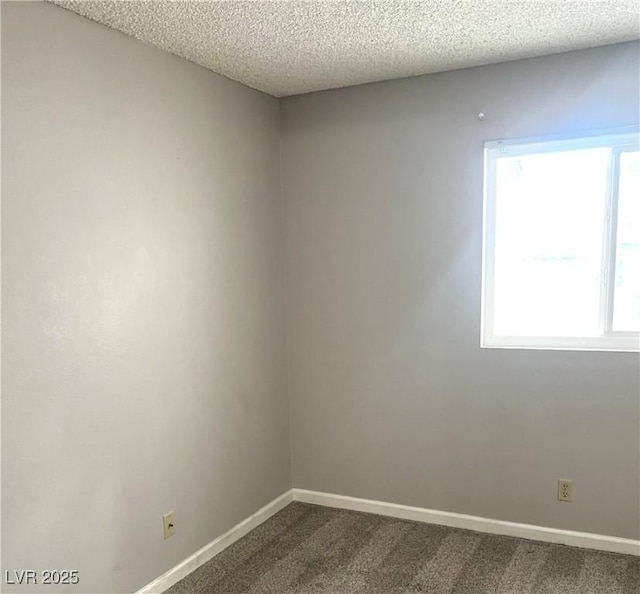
column 623, row 344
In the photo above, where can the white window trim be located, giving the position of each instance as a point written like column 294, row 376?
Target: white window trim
column 610, row 341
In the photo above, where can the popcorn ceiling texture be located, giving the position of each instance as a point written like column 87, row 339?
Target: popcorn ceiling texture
column 291, row 47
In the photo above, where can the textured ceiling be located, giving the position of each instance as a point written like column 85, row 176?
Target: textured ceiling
column 288, row 47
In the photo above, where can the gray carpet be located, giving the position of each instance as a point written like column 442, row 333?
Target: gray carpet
column 308, row 549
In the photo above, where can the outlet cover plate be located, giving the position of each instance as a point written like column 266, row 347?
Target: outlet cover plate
column 565, row 490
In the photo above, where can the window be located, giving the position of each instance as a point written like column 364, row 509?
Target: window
column 561, row 253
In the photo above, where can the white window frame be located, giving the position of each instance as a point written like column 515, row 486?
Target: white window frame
column 618, row 140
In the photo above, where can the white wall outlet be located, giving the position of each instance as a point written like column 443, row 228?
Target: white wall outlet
column 169, row 526
column 565, row 490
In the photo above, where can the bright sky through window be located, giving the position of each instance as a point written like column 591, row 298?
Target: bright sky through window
column 562, row 244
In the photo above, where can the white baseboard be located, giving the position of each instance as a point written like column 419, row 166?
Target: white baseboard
column 553, row 535
column 173, row 576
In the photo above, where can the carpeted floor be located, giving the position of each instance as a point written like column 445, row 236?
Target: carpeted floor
column 307, row 549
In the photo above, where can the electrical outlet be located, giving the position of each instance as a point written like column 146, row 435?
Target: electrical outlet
column 565, row 490
column 168, row 524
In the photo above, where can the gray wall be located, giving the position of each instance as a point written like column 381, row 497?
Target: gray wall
column 392, row 398
column 143, row 348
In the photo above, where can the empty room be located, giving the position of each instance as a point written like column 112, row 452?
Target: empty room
column 320, row 297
